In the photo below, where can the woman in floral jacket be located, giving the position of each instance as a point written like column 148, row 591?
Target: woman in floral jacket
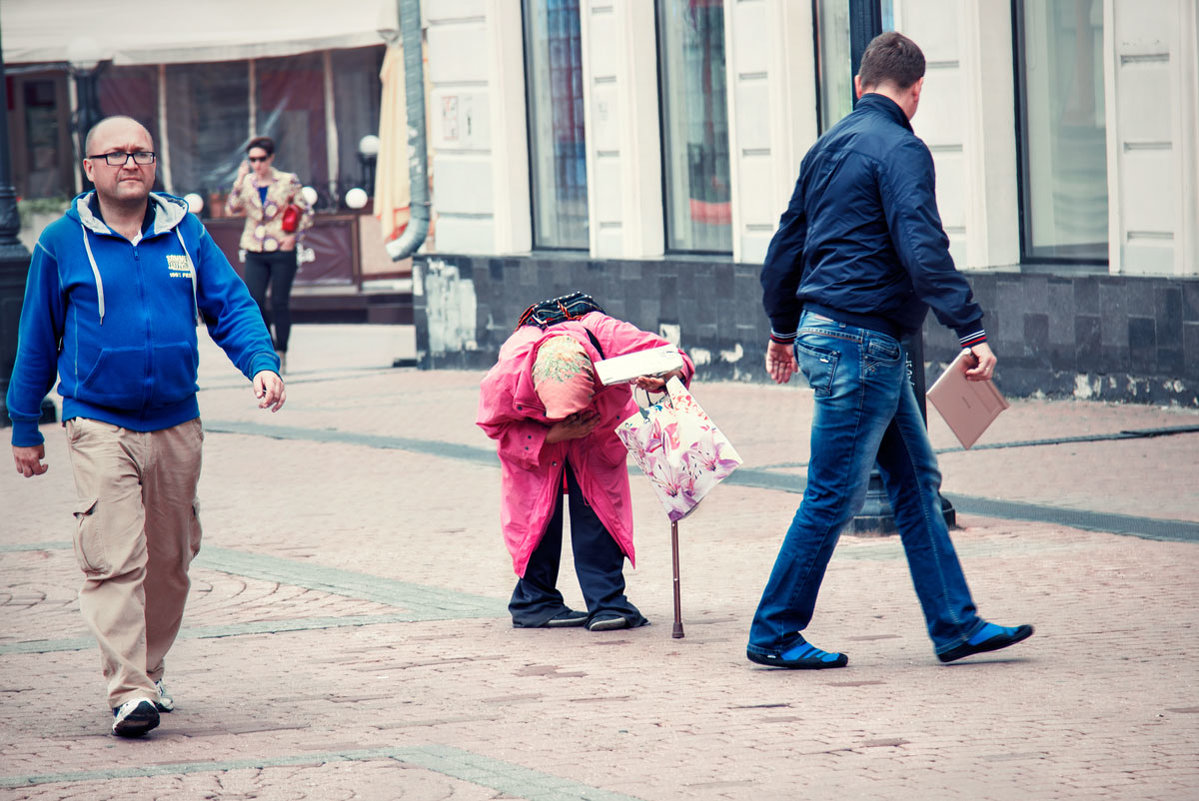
column 261, row 194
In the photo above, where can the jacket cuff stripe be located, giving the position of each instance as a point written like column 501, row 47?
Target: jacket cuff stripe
column 976, row 338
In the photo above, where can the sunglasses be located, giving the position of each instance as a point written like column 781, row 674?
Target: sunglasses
column 256, row 159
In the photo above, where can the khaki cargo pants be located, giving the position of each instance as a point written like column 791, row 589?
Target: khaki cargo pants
column 137, row 531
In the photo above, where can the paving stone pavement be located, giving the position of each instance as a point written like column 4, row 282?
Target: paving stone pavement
column 347, row 637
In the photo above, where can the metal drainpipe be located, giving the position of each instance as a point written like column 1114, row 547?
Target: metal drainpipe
column 414, row 101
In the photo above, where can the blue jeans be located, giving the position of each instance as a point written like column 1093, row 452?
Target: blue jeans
column 866, row 411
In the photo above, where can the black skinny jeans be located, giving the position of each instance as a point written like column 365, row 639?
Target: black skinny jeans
column 279, row 270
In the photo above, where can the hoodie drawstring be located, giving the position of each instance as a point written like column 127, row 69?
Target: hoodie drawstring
column 87, row 245
column 192, row 269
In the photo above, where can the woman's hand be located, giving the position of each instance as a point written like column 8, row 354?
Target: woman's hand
column 577, row 426
column 654, row 383
column 288, row 242
column 243, row 170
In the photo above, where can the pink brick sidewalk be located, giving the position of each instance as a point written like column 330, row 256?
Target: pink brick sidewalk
column 331, row 673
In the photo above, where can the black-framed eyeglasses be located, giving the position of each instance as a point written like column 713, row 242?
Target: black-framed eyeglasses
column 255, row 159
column 119, row 159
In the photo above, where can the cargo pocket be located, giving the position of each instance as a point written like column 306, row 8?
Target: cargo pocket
column 89, row 540
column 195, row 532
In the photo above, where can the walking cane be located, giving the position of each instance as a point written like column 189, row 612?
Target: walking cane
column 678, row 612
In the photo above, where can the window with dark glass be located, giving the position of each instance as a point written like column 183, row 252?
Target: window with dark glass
column 41, row 136
column 843, row 29
column 208, row 119
column 557, row 145
column 291, row 110
column 356, row 101
column 1063, row 135
column 695, row 125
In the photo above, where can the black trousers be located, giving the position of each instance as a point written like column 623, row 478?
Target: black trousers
column 279, row 270
column 599, row 565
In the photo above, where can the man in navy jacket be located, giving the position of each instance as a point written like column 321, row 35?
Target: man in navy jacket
column 858, row 259
column 115, row 290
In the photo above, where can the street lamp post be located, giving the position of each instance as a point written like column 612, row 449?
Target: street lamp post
column 84, row 54
column 876, row 515
column 368, row 154
column 14, row 266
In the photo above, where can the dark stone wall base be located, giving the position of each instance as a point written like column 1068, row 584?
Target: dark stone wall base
column 1094, row 337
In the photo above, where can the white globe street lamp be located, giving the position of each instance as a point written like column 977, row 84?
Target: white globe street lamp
column 368, row 154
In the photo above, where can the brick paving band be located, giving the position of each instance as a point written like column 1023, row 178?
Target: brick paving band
column 456, row 763
column 1146, row 527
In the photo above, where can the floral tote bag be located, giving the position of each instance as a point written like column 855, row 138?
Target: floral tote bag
column 677, row 445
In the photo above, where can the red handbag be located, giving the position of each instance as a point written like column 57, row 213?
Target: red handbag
column 291, row 218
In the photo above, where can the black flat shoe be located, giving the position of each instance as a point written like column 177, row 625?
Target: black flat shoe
column 609, row 623
column 565, row 619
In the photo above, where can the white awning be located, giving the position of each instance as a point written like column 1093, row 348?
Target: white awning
column 139, row 32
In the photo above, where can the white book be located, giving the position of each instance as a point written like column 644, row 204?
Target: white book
column 652, row 362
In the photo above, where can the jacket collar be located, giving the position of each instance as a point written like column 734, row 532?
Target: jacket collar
column 884, row 105
column 165, row 211
column 272, row 178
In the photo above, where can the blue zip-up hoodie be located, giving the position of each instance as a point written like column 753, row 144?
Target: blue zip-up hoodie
column 861, row 239
column 117, row 321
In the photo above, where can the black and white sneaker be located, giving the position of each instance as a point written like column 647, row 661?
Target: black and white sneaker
column 134, row 718
column 164, row 702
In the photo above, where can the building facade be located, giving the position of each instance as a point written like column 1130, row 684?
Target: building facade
column 204, row 83
column 643, row 150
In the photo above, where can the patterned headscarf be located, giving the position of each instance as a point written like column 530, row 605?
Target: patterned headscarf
column 563, row 377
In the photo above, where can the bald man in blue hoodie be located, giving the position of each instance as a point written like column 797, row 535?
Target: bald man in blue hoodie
column 115, row 292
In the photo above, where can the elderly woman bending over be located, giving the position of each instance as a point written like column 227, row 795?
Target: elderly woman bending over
column 554, row 425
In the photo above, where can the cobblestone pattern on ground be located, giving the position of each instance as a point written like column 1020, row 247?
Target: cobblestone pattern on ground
column 358, row 697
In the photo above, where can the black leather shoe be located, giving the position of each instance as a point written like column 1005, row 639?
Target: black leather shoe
column 1006, row 637
column 608, row 623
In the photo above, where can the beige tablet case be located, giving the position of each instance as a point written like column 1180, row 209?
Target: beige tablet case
column 968, row 407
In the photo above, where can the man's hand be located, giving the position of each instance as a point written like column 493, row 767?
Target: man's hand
column 268, row 388
column 984, row 363
column 780, row 362
column 577, row 426
column 29, row 460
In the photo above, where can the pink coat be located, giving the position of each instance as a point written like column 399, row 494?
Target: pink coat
column 532, row 470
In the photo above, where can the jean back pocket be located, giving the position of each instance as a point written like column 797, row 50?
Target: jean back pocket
column 819, row 366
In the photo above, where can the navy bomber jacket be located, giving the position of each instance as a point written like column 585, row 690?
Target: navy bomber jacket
column 861, row 239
